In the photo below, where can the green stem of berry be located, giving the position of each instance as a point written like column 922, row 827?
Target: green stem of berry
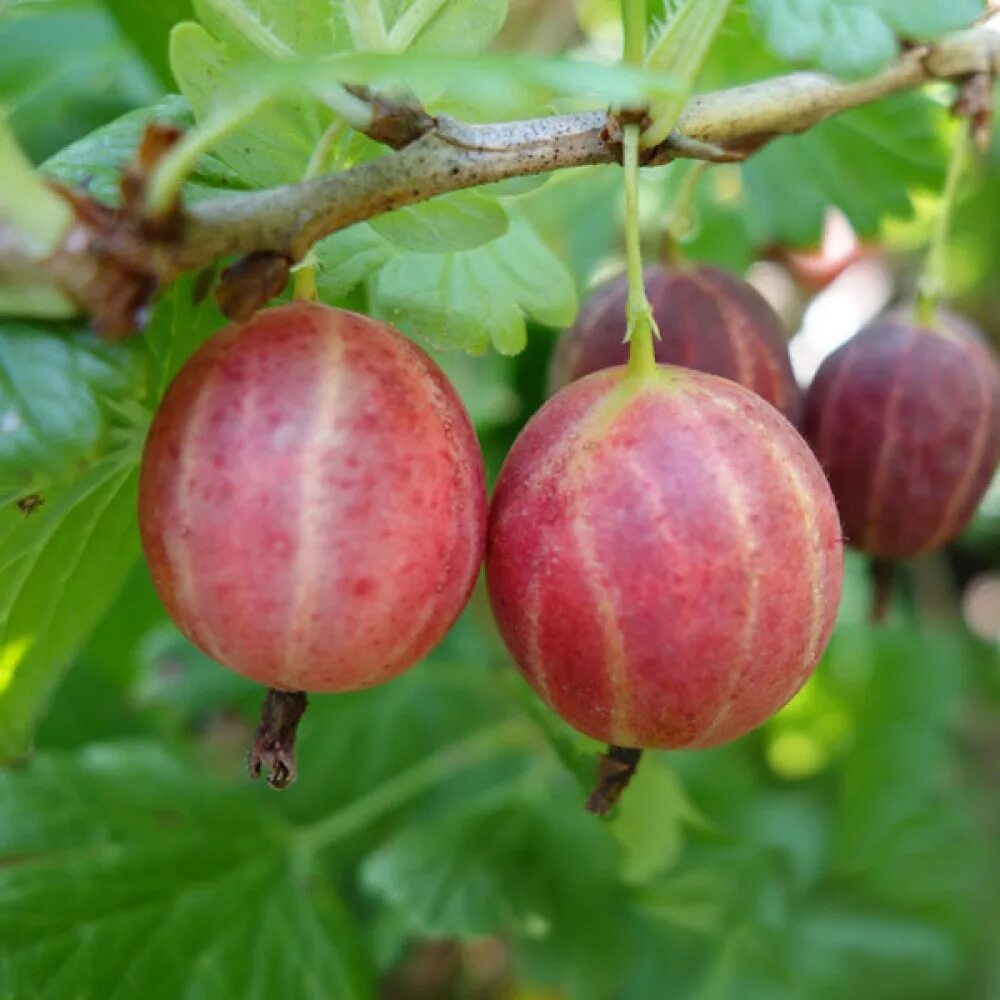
column 641, row 327
column 933, row 280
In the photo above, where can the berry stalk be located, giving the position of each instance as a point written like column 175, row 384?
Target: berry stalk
column 641, row 327
column 933, row 279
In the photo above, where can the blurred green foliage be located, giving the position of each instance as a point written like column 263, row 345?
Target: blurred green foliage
column 847, row 848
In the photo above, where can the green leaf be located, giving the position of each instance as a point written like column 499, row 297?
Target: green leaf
column 867, row 162
column 128, row 872
column 66, row 70
column 578, row 213
column 504, row 865
column 147, row 27
column 454, row 26
column 856, row 41
column 462, row 220
column 65, row 401
column 95, row 161
column 35, row 300
column 649, row 819
column 927, row 19
column 275, row 144
column 844, row 950
column 37, row 215
column 276, row 28
column 346, row 258
column 61, row 400
column 475, row 297
column 96, row 700
column 854, row 37
column 176, row 328
column 680, row 49
column 60, row 569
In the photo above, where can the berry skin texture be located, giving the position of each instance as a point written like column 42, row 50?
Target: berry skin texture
column 312, row 500
column 709, row 320
column 905, row 419
column 663, row 558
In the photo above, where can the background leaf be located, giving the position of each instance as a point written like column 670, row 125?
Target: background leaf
column 853, row 37
column 461, row 220
column 147, row 27
column 457, row 25
column 129, row 874
column 66, row 70
column 56, row 412
column 60, row 569
column 469, row 299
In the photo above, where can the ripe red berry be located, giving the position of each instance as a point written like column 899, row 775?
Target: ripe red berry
column 663, row 558
column 905, row 419
column 312, row 500
column 709, row 320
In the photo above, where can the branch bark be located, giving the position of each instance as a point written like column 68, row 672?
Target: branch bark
column 723, row 125
column 442, row 155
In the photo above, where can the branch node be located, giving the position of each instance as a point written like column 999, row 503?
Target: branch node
column 395, row 122
column 611, row 131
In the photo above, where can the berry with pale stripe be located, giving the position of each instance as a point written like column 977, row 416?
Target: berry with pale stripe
column 709, row 320
column 312, row 500
column 905, row 419
column 663, row 558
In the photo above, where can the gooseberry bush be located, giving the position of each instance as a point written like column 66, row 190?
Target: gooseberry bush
column 457, row 413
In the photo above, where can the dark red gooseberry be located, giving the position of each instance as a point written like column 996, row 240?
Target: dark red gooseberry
column 709, row 320
column 905, row 419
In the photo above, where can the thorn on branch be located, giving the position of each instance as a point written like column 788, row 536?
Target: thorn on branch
column 395, row 122
column 251, row 282
column 611, row 131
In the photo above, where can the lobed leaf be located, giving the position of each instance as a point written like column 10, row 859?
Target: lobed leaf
column 56, row 411
column 124, row 873
column 454, row 26
column 95, row 161
column 854, row 37
column 60, row 569
column 462, row 220
column 472, row 298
